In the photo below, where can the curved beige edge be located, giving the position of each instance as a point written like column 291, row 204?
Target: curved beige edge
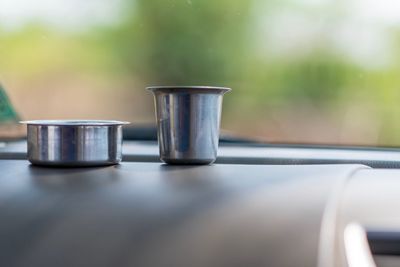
column 327, row 252
column 358, row 252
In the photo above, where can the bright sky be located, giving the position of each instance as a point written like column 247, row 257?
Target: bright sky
column 384, row 11
column 72, row 13
column 60, row 13
column 358, row 29
column 365, row 22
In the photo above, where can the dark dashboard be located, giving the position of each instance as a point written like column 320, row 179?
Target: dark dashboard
column 258, row 206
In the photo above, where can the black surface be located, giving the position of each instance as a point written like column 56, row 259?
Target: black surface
column 140, row 132
column 384, row 242
column 147, row 151
column 148, row 132
column 148, row 214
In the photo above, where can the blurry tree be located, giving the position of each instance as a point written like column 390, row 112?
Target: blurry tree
column 224, row 42
column 319, row 78
column 183, row 41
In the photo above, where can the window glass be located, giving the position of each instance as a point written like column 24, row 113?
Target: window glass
column 302, row 71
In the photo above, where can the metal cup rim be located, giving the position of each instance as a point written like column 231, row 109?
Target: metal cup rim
column 190, row 89
column 74, row 122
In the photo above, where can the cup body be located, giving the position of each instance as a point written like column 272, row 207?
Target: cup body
column 74, row 143
column 188, row 120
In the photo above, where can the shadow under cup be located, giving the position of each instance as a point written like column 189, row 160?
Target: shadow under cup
column 188, row 121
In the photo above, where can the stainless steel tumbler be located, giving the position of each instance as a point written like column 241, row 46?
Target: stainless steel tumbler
column 188, row 119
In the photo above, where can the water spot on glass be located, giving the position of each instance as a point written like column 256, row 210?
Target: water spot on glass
column 189, row 2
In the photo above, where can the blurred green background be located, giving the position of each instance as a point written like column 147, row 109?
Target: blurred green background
column 302, row 71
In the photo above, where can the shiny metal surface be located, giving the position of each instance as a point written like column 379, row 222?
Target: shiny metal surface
column 188, row 120
column 74, row 143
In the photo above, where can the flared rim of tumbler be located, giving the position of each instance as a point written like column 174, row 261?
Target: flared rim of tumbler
column 189, row 89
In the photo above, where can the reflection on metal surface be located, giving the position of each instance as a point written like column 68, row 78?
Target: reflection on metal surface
column 74, row 143
column 188, row 121
column 358, row 252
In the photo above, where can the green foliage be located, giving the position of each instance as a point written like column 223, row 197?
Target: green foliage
column 37, row 50
column 208, row 42
column 184, row 42
column 7, row 112
column 319, row 77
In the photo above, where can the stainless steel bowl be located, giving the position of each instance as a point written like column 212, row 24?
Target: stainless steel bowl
column 74, row 142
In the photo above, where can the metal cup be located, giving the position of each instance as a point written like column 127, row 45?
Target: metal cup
column 74, row 142
column 188, row 119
